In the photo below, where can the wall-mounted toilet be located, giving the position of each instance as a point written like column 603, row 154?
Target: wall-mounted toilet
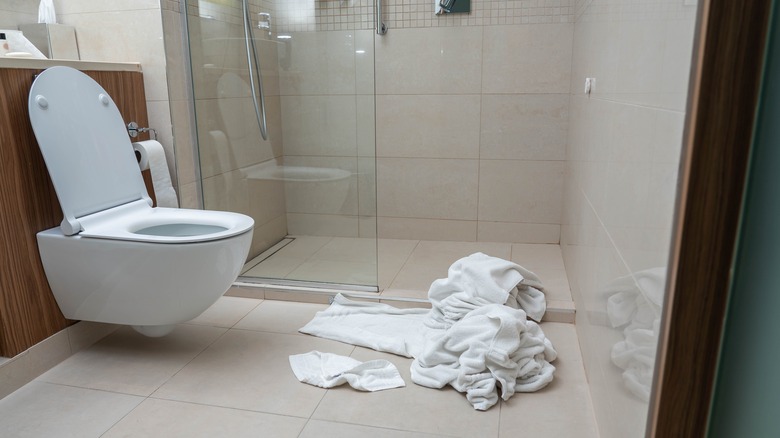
column 114, row 258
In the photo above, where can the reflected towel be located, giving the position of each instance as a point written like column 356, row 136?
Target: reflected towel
column 634, row 304
column 327, row 370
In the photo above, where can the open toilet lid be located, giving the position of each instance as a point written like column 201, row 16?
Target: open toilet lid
column 84, row 142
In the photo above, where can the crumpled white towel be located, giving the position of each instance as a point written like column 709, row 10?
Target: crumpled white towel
column 327, row 370
column 479, row 280
column 492, row 345
column 635, row 304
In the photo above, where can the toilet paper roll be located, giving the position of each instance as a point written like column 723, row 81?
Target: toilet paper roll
column 152, row 156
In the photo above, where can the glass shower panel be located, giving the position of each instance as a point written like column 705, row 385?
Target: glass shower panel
column 311, row 185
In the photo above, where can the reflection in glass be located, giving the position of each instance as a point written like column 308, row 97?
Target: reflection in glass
column 311, row 185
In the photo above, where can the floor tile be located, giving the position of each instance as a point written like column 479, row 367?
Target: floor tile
column 430, row 260
column 46, row 410
column 413, row 407
column 537, row 257
column 163, row 418
column 336, row 271
column 393, row 254
column 250, row 370
column 276, row 266
column 226, row 312
column 539, row 414
column 348, row 249
column 304, row 246
column 131, row 363
column 546, row 261
column 329, row 429
column 279, row 316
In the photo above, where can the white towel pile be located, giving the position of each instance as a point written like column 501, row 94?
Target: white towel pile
column 492, row 345
column 475, row 338
column 635, row 305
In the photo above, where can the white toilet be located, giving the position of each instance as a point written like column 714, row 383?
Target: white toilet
column 114, row 258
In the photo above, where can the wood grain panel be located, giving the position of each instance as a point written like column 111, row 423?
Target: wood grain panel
column 722, row 107
column 28, row 204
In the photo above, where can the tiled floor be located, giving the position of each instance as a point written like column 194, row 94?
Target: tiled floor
column 226, row 373
column 406, row 267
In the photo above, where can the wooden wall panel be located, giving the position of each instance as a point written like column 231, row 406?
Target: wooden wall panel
column 28, row 204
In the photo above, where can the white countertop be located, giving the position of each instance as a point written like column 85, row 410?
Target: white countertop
column 80, row 65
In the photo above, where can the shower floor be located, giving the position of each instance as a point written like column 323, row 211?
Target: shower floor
column 406, row 268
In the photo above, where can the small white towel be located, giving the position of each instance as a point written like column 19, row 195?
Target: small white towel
column 327, row 370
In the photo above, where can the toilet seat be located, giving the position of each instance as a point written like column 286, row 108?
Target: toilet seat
column 84, row 142
column 138, row 222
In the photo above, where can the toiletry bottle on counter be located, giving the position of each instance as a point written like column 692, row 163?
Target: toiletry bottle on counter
column 3, row 45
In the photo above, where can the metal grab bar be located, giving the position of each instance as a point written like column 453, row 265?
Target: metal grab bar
column 381, row 27
column 250, row 60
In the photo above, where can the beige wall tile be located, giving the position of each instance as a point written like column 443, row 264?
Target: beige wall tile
column 678, row 49
column 322, row 225
column 208, row 47
column 319, row 125
column 638, row 75
column 49, row 352
column 521, row 191
column 428, row 126
column 366, row 125
column 316, row 63
column 85, row 333
column 184, row 146
column 364, row 62
column 524, row 126
column 124, row 36
column 18, row 12
column 159, row 113
column 366, row 186
column 15, row 373
column 428, row 229
column 527, row 58
column 429, row 61
column 367, row 226
column 427, row 188
column 188, row 196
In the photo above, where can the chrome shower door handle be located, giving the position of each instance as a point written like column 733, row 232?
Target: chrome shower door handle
column 381, row 27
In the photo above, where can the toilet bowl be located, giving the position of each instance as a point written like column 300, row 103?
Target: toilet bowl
column 115, row 258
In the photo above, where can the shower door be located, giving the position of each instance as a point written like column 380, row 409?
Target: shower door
column 305, row 79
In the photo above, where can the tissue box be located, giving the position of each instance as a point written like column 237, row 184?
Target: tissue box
column 56, row 41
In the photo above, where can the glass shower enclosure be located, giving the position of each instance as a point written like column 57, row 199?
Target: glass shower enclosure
column 284, row 108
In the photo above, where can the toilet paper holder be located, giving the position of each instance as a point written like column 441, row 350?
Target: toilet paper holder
column 133, row 130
